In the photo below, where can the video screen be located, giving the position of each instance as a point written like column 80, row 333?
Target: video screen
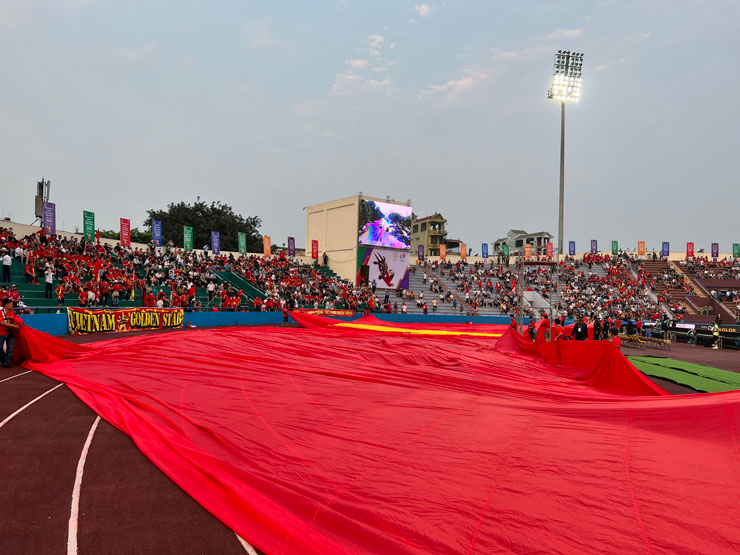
column 384, row 225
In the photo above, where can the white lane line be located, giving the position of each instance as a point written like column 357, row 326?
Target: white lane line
column 245, row 544
column 24, row 407
column 75, row 512
column 11, row 377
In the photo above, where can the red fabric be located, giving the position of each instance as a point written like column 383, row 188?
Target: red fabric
column 337, row 440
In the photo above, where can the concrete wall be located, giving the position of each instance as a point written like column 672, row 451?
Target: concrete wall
column 334, row 225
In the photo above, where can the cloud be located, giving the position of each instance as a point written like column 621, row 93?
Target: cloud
column 423, row 10
column 363, row 76
column 645, row 35
column 260, row 37
column 607, row 65
column 476, row 76
column 356, row 63
column 308, row 108
column 412, row 21
column 564, row 34
column 348, row 83
column 376, row 41
column 137, row 53
column 452, row 91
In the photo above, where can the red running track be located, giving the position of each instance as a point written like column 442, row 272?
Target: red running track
column 339, row 440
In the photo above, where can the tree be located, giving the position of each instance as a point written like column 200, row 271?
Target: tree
column 204, row 218
column 137, row 236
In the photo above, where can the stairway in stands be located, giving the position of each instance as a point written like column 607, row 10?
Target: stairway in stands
column 658, row 268
column 452, row 286
column 417, row 285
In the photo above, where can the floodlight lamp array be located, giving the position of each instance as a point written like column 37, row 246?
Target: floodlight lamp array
column 566, row 79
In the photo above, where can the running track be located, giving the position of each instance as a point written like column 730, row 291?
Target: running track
column 72, row 483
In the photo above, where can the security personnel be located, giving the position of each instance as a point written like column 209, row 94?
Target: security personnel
column 716, row 336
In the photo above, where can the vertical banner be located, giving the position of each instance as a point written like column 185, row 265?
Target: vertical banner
column 443, row 252
column 550, row 249
column 187, row 238
column 314, row 249
column 527, row 251
column 484, row 250
column 715, row 250
column 88, row 225
column 242, row 242
column 267, row 245
column 157, row 232
column 291, row 246
column 420, row 252
column 736, row 250
column 594, row 246
column 572, row 248
column 49, row 218
column 125, row 232
column 615, row 247
column 215, row 242
column 689, row 250
column 665, row 250
column 463, row 251
column 505, row 249
column 641, row 248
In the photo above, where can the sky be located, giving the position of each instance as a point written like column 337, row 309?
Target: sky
column 273, row 106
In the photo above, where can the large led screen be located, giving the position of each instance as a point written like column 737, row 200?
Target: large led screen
column 384, row 225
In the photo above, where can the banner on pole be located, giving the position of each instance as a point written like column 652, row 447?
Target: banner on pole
column 463, row 251
column 242, row 242
column 125, row 232
column 267, row 245
column 665, row 250
column 157, row 232
column 420, row 252
column 83, row 321
column 443, row 252
column 484, row 250
column 572, row 248
column 715, row 250
column 88, row 225
column 736, row 250
column 187, row 238
column 215, row 242
column 314, row 249
column 291, row 246
column 49, row 218
column 550, row 249
column 505, row 249
column 689, row 250
column 641, row 248
column 615, row 247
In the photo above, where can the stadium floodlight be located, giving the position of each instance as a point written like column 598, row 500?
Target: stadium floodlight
column 566, row 87
column 566, row 77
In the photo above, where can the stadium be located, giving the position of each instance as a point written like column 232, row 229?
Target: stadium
column 344, row 377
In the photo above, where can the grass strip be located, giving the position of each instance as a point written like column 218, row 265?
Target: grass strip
column 696, row 376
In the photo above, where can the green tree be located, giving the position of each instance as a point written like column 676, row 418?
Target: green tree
column 205, row 218
column 137, row 236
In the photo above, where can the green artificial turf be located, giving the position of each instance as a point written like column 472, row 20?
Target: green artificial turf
column 696, row 376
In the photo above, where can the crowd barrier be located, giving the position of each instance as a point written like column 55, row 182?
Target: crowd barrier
column 57, row 324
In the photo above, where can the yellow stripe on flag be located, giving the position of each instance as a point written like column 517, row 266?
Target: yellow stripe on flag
column 415, row 332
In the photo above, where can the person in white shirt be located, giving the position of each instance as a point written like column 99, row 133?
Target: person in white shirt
column 7, row 261
column 49, row 280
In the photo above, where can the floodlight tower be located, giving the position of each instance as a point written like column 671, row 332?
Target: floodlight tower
column 566, row 87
